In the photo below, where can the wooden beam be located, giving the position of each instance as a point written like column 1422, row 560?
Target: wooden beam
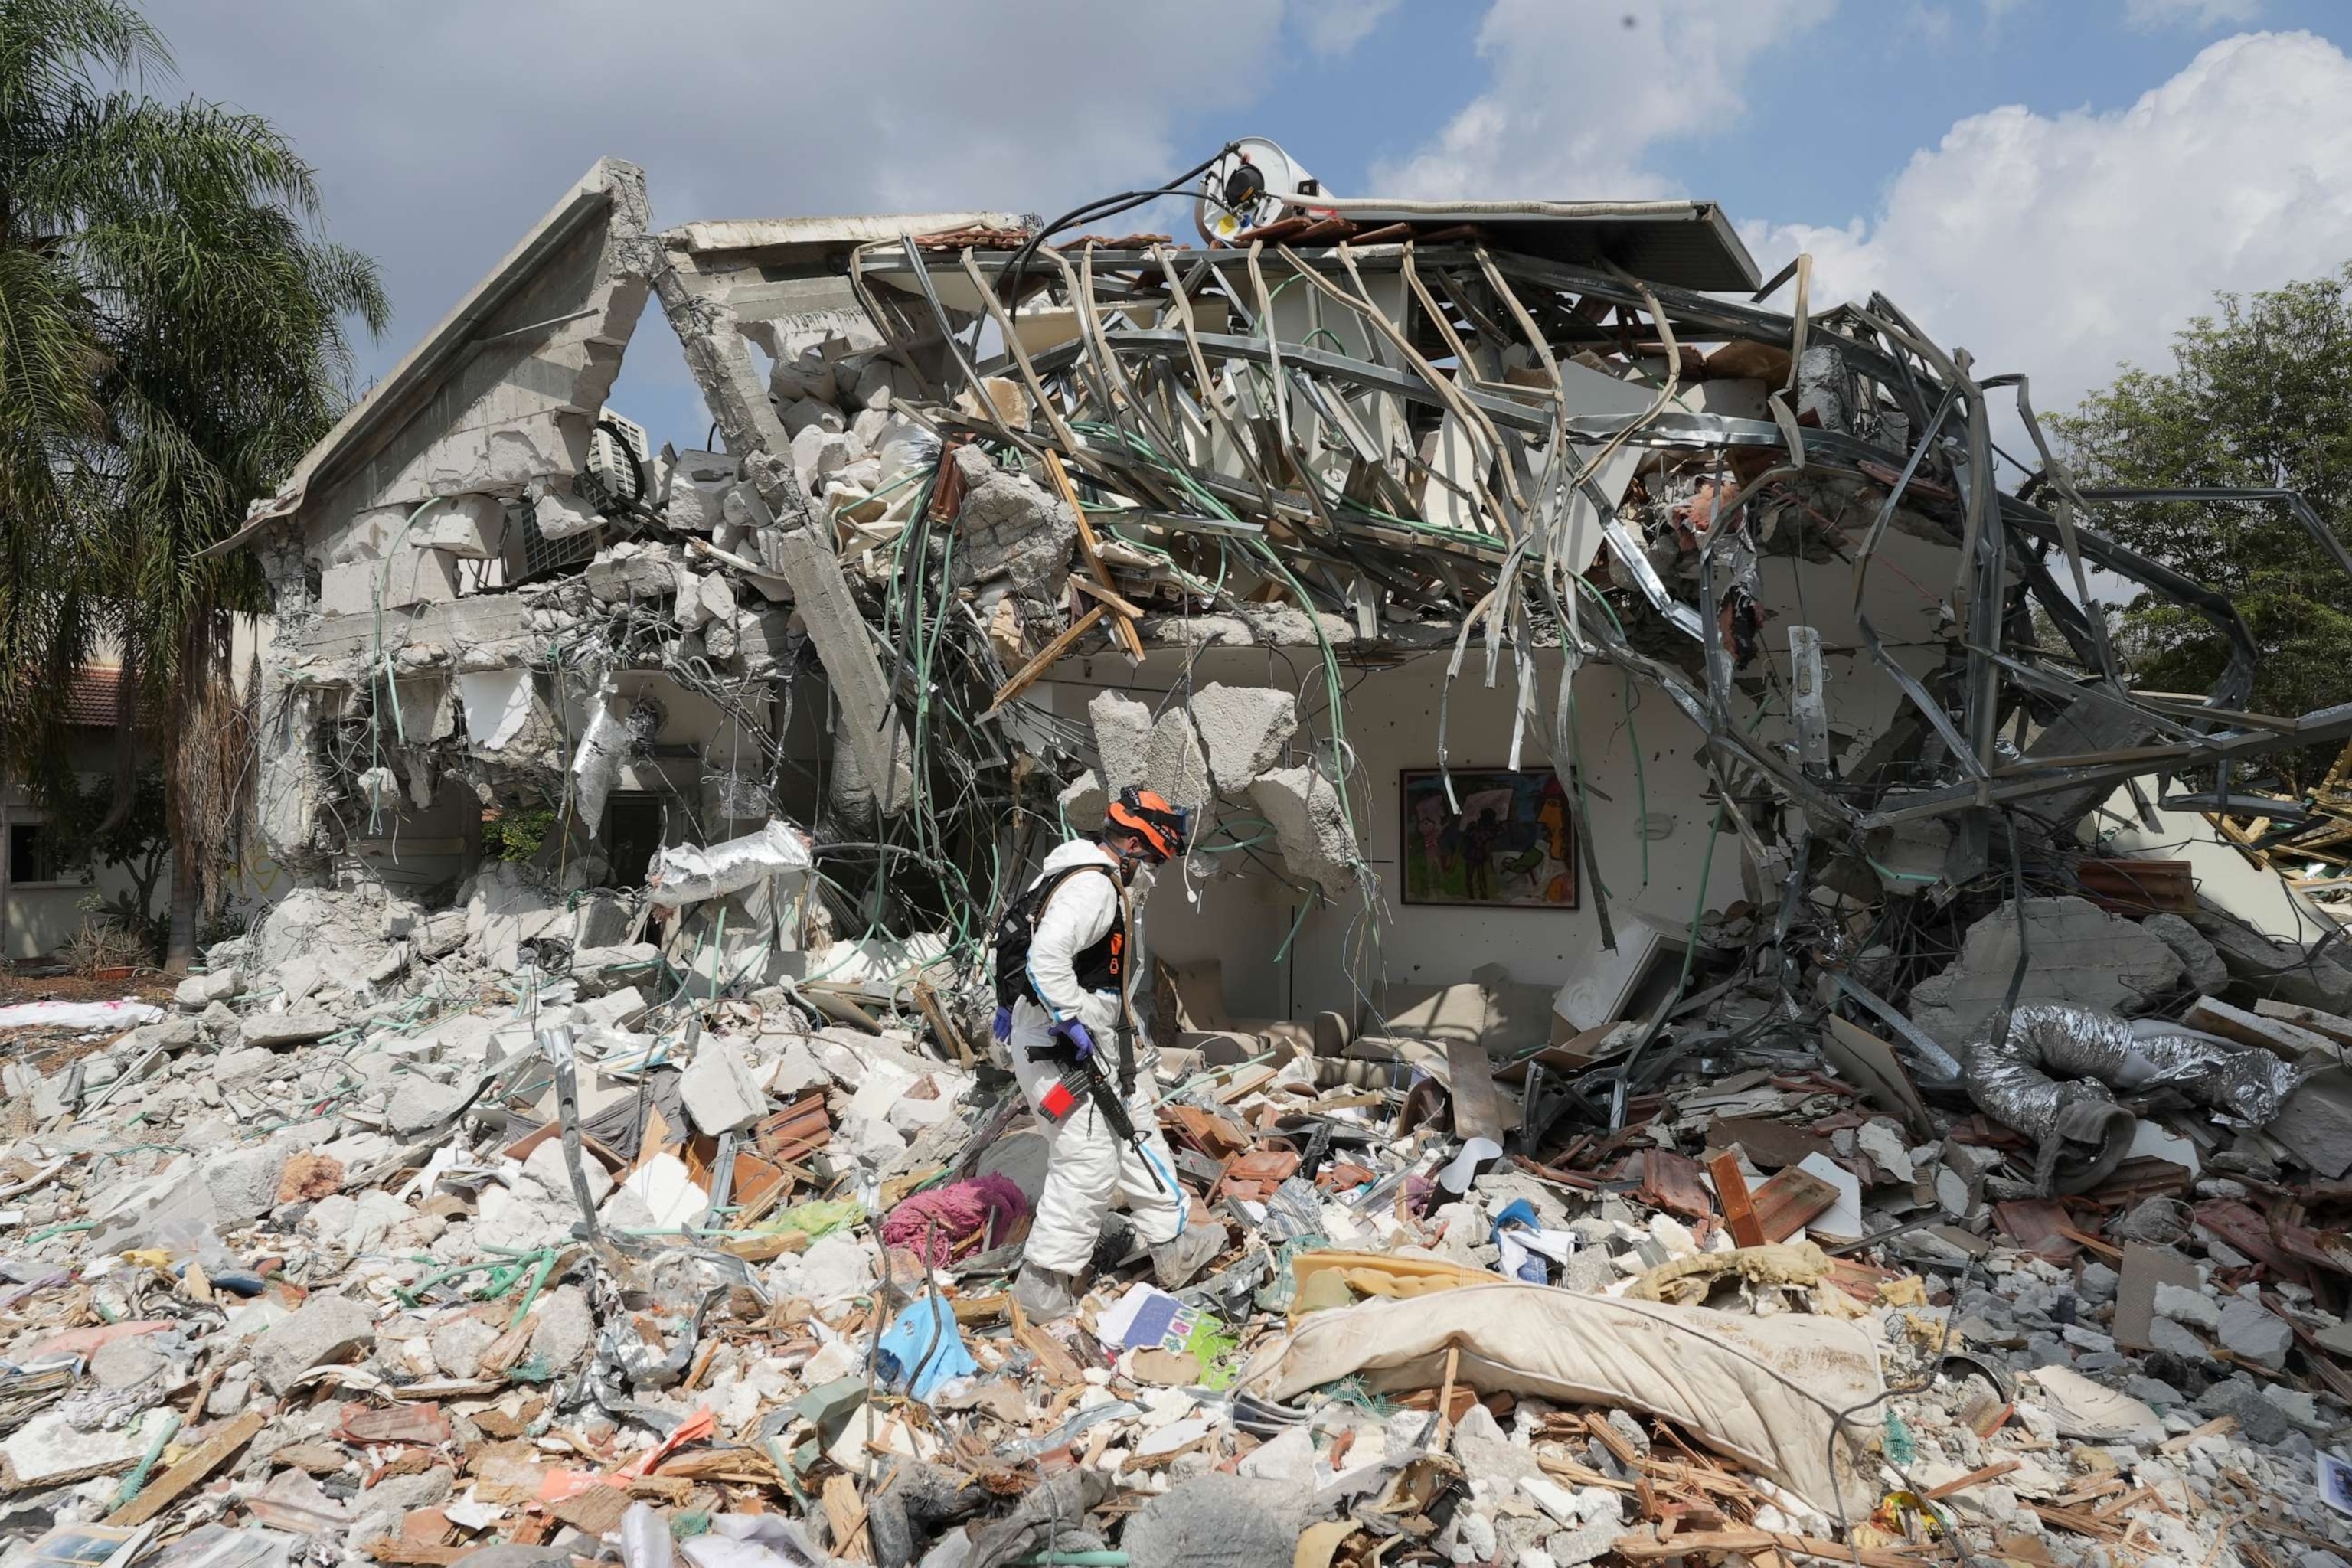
column 1053, row 651
column 190, row 1472
column 944, row 1026
column 1119, row 607
column 1974, row 1477
column 1128, row 638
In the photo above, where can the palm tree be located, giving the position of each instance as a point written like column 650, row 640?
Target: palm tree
column 171, row 342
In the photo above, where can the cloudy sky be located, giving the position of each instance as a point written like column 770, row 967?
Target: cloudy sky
column 2054, row 185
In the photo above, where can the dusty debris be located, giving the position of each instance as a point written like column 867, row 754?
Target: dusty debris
column 606, row 1151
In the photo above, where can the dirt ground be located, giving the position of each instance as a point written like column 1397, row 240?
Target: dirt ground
column 145, row 986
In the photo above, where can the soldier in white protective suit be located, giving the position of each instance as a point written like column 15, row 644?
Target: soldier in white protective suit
column 1063, row 1003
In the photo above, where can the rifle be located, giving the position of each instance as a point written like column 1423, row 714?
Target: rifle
column 1087, row 1080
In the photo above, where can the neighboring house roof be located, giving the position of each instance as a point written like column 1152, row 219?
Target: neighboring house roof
column 94, row 696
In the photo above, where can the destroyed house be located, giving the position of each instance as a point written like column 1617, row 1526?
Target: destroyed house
column 1532, row 614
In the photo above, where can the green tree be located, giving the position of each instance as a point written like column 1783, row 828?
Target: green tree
column 2259, row 396
column 171, row 342
column 90, row 831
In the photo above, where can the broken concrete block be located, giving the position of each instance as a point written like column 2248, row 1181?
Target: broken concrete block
column 877, row 384
column 714, row 599
column 2076, row 952
column 1009, row 530
column 2177, row 1339
column 1083, row 801
column 630, row 571
column 459, row 1344
column 323, row 1331
column 198, row 992
column 420, row 1104
column 2314, row 1122
column 700, row 484
column 722, row 1092
column 810, row 414
column 797, row 378
column 2279, row 971
column 2259, row 1420
column 546, row 1165
column 2206, row 969
column 124, row 1363
column 244, row 1182
column 1218, row 1518
column 2185, row 1304
column 1175, row 766
column 471, row 527
column 1316, row 840
column 872, row 427
column 1122, row 729
column 275, row 1029
column 820, row 455
column 47, row 1452
column 561, row 515
column 759, row 640
column 562, row 1328
column 1247, row 728
column 2251, row 1332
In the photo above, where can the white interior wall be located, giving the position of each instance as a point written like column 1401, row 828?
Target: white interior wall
column 1391, row 712
column 1243, row 919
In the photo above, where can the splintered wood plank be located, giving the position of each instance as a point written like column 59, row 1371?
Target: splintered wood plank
column 846, row 1515
column 1128, row 638
column 2334, row 1026
column 1045, row 660
column 2276, row 1035
column 184, row 1477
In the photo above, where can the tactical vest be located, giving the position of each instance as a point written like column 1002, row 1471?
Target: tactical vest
column 1101, row 965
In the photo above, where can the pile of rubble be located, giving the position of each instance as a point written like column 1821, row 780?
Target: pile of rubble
column 603, row 1153
column 402, row 1237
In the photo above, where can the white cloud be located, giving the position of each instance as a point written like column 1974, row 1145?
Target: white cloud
column 1332, row 27
column 2199, row 14
column 2060, row 246
column 1580, row 94
column 440, row 133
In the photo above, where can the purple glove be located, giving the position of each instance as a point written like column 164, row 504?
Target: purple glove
column 1076, row 1033
column 1002, row 1027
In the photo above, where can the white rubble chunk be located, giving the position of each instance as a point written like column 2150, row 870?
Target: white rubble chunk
column 722, row 1092
column 198, row 992
column 1247, row 728
column 288, row 1029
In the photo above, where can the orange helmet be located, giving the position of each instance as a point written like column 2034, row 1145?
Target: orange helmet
column 1149, row 817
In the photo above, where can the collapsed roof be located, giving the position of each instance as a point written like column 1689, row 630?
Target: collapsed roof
column 970, row 447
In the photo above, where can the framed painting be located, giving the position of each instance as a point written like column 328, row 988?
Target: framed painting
column 1512, row 844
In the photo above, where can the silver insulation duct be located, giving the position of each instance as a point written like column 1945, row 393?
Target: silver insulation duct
column 2054, row 1075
